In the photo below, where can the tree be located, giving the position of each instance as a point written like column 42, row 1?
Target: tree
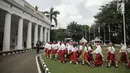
column 58, row 34
column 109, row 16
column 52, row 15
column 76, row 31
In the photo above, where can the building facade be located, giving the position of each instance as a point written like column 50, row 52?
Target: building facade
column 21, row 25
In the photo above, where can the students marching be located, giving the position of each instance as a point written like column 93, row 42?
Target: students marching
column 83, row 54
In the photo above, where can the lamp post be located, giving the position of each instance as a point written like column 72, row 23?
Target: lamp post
column 104, row 34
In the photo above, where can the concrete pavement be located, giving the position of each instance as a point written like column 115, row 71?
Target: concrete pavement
column 19, row 63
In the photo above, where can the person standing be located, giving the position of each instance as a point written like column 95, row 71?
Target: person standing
column 80, row 50
column 123, row 52
column 112, row 59
column 99, row 56
column 74, row 54
column 38, row 46
column 61, row 51
column 90, row 56
column 109, row 53
column 85, row 55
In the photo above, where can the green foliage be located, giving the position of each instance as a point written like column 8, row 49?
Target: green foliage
column 58, row 34
column 74, row 31
column 52, row 15
column 108, row 16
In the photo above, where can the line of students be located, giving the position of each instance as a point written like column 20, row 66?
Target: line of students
column 84, row 53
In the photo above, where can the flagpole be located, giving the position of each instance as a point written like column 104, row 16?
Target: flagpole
column 124, row 23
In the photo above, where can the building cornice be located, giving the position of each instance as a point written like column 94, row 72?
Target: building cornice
column 28, row 11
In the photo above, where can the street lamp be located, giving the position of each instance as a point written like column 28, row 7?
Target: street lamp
column 104, row 34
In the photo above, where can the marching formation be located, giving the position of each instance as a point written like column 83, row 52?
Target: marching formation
column 83, row 53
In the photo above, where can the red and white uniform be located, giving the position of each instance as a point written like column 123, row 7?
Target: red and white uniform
column 61, row 51
column 48, row 49
column 54, row 48
column 90, row 56
column 85, row 55
column 80, row 51
column 109, row 53
column 74, row 55
column 112, row 56
column 123, row 52
column 98, row 60
column 70, row 47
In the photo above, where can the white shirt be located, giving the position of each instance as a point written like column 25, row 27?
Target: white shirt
column 62, row 47
column 54, row 46
column 80, row 47
column 109, row 49
column 89, row 48
column 74, row 49
column 112, row 50
column 98, row 50
column 123, row 49
column 68, row 48
column 48, row 46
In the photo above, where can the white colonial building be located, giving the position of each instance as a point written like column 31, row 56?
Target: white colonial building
column 21, row 24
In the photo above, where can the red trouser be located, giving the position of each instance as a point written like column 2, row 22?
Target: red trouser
column 74, row 57
column 90, row 56
column 98, row 60
column 108, row 56
column 47, row 52
column 85, row 56
column 61, row 54
column 80, row 53
column 123, row 57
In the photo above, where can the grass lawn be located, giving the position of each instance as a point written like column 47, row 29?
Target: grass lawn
column 57, row 67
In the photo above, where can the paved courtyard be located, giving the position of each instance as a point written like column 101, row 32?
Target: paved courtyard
column 19, row 63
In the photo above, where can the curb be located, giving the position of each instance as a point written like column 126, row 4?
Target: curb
column 14, row 52
column 41, row 66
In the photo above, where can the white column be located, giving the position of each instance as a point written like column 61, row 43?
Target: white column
column 45, row 35
column 7, row 27
column 41, row 33
column 48, row 35
column 20, row 34
column 35, row 35
column 29, row 35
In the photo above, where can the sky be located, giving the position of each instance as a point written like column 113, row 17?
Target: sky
column 81, row 11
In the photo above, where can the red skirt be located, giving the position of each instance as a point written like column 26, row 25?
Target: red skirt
column 123, row 57
column 70, row 54
column 98, row 60
column 108, row 56
column 61, row 54
column 47, row 52
column 80, row 53
column 112, row 58
column 74, row 57
column 90, row 56
column 85, row 56
column 54, row 52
